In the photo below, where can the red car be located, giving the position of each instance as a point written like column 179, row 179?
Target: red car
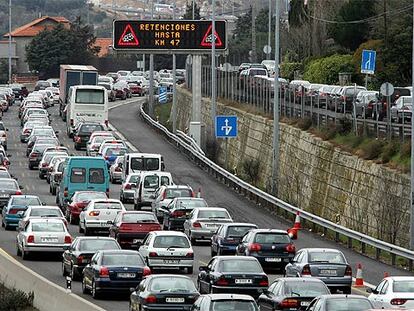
column 80, row 200
column 135, row 89
column 131, row 227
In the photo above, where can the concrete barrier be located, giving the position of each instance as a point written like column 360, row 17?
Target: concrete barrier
column 47, row 295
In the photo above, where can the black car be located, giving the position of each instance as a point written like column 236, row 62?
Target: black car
column 164, row 292
column 179, row 210
column 113, row 271
column 35, row 156
column 292, row 294
column 273, row 248
column 80, row 252
column 40, row 140
column 231, row 274
column 83, row 133
column 8, row 187
column 228, row 302
column 228, row 236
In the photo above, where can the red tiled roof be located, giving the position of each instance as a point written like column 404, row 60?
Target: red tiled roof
column 33, row 28
column 104, row 44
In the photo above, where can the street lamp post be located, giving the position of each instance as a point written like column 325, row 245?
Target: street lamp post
column 213, row 63
column 10, row 43
column 412, row 151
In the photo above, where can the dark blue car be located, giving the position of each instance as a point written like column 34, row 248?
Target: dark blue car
column 113, row 271
column 110, row 153
column 228, row 236
column 13, row 211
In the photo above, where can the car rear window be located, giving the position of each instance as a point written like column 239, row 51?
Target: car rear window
column 137, row 217
column 96, row 245
column 25, row 201
column 47, row 227
column 90, row 128
column 8, row 185
column 88, row 196
column 213, row 214
column 107, row 205
column 151, row 182
column 305, row 289
column 406, row 286
column 96, row 176
column 172, row 284
column 226, row 305
column 109, row 152
column 89, row 96
column 190, row 204
column 78, row 175
column 237, row 265
column 145, row 164
column 178, row 193
column 327, row 257
column 271, row 238
column 122, row 260
column 237, row 231
column 345, row 304
column 176, row 241
column 46, row 212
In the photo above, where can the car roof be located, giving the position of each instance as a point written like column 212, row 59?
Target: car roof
column 211, row 208
column 95, row 238
column 218, row 297
column 269, row 230
column 241, row 224
column 119, row 251
column 156, row 276
column 169, row 233
column 44, row 206
column 105, row 200
column 29, row 196
column 339, row 296
column 305, row 280
column 230, row 257
column 400, row 278
column 43, row 219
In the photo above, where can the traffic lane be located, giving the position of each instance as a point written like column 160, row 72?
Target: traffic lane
column 126, row 119
column 47, row 265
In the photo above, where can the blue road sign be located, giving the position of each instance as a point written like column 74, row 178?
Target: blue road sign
column 226, row 126
column 162, row 95
column 368, row 61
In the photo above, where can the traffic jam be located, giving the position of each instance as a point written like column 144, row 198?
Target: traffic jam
column 140, row 241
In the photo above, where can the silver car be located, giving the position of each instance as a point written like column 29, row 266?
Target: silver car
column 203, row 222
column 115, row 170
column 42, row 235
column 128, row 188
column 40, row 212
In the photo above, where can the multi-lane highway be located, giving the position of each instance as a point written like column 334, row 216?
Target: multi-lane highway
column 124, row 117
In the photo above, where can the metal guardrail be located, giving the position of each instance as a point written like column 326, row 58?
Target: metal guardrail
column 190, row 141
column 253, row 192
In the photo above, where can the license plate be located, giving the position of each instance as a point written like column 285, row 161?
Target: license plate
column 169, row 261
column 174, row 300
column 243, row 281
column 135, row 241
column 49, row 240
column 273, row 259
column 328, row 272
column 211, row 226
column 304, row 303
column 126, row 275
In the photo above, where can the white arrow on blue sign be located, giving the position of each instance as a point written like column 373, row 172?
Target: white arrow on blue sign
column 368, row 61
column 162, row 95
column 226, row 126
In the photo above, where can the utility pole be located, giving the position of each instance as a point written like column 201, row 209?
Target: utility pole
column 213, row 65
column 174, row 104
column 253, row 56
column 275, row 160
column 193, row 8
column 412, row 152
column 269, row 30
column 10, row 43
column 151, row 81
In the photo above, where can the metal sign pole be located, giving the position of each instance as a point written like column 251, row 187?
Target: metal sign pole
column 412, row 153
column 213, row 63
column 174, row 104
column 151, row 81
column 10, row 44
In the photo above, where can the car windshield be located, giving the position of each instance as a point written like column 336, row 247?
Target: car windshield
column 90, row 128
column 133, row 179
column 172, row 284
column 190, row 204
column 94, row 245
column 326, row 257
column 43, row 211
column 151, row 182
column 107, row 205
column 272, row 238
column 88, row 196
column 213, row 214
column 405, row 286
column 348, row 304
column 8, row 184
column 178, row 193
column 25, row 201
column 138, row 217
column 173, row 241
column 48, row 227
column 305, row 289
column 122, row 260
column 238, row 231
column 233, row 305
column 238, row 265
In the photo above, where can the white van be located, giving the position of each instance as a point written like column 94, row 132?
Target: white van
column 147, row 185
column 86, row 103
column 139, row 162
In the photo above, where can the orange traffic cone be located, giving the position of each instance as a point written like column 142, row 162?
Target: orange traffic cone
column 386, row 274
column 359, row 280
column 297, row 225
column 293, row 232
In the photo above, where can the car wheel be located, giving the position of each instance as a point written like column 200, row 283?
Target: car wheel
column 7, row 227
column 18, row 251
column 85, row 290
column 87, row 231
column 77, row 147
column 121, row 197
column 73, row 274
column 80, row 228
column 64, row 273
column 30, row 167
column 2, row 222
column 71, row 219
column 190, row 270
column 347, row 290
column 193, row 240
column 213, row 253
column 25, row 255
column 95, row 293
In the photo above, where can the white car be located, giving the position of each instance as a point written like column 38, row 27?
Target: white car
column 165, row 194
column 394, row 292
column 3, row 135
column 128, row 187
column 40, row 211
column 99, row 215
column 115, row 170
column 42, row 235
column 167, row 250
column 95, row 141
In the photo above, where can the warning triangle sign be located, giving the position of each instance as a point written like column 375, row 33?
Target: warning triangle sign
column 208, row 38
column 128, row 37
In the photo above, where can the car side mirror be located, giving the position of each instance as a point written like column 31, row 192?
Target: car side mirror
column 9, row 155
column 203, row 268
column 21, row 187
column 43, row 203
column 7, row 130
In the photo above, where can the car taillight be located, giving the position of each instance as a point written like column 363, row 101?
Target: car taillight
column 26, row 131
column 190, row 255
column 104, row 272
column 153, row 254
column 398, row 301
column 80, row 260
column 264, row 282
column 94, row 213
column 127, row 187
column 4, row 135
column 290, row 248
column 66, row 192
column 288, row 303
column 30, row 239
column 255, row 247
column 18, row 192
column 196, row 225
column 44, row 164
column 177, row 214
column 151, row 299
column 33, row 155
column 77, row 139
column 342, row 97
column 71, row 122
column 147, row 271
column 222, row 282
column 164, row 195
column 106, row 157
column 306, row 270
column 348, row 271
column 68, row 239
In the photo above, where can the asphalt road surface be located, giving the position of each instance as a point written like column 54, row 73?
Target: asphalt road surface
column 124, row 117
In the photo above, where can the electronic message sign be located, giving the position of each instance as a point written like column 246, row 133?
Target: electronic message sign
column 175, row 36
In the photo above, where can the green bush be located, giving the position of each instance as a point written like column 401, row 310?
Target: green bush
column 251, row 169
column 305, row 124
column 287, row 70
column 326, row 70
column 406, row 150
column 328, row 132
column 14, row 299
column 372, row 150
column 389, row 150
